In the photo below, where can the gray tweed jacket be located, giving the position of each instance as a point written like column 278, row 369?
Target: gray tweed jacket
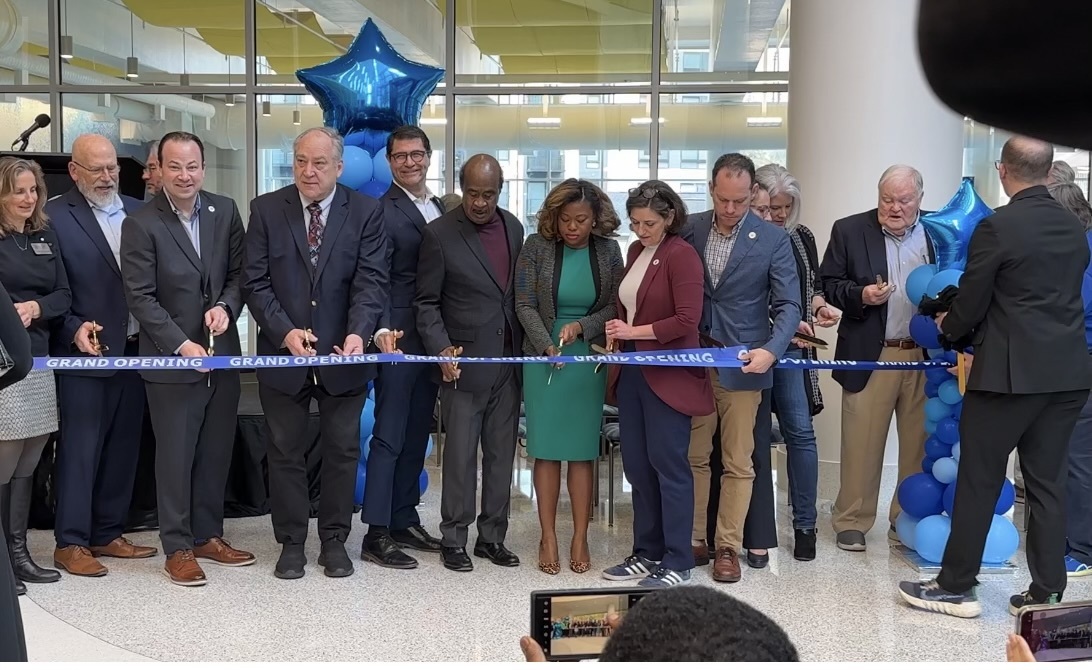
column 537, row 278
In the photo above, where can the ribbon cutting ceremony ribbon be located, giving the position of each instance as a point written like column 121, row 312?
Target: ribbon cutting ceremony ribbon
column 727, row 357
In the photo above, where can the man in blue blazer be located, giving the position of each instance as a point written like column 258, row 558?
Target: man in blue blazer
column 405, row 395
column 103, row 409
column 316, row 280
column 752, row 299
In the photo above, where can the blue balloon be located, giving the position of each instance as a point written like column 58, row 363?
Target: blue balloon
column 428, row 447
column 930, row 426
column 367, row 422
column 1001, row 542
column 935, row 354
column 950, row 356
column 936, row 409
column 938, row 375
column 949, row 499
column 956, row 450
column 920, row 495
column 365, row 449
column 957, row 410
column 918, row 281
column 932, row 388
column 370, row 140
column 941, row 281
column 423, row 481
column 950, row 227
column 945, row 470
column 924, row 331
column 381, row 168
column 361, row 475
column 905, row 527
column 927, row 464
column 949, row 392
column 947, row 430
column 374, row 188
column 358, row 168
column 935, row 449
column 1006, row 499
column 370, row 86
column 931, row 537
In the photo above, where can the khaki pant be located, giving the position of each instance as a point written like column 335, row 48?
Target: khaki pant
column 736, row 411
column 866, row 420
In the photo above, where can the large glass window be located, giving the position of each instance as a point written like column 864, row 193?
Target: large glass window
column 18, row 112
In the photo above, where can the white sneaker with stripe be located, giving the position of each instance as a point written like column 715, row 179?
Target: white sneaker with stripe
column 662, row 578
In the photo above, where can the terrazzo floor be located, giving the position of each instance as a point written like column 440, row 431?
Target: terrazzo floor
column 840, row 607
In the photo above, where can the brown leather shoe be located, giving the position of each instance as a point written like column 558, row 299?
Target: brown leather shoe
column 726, row 566
column 121, row 547
column 182, row 569
column 78, row 561
column 216, row 549
column 701, row 554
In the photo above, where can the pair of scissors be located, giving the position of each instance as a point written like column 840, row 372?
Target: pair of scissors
column 610, row 350
column 560, row 343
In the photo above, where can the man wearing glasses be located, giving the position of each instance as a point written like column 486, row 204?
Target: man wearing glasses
column 153, row 178
column 404, row 394
column 103, row 409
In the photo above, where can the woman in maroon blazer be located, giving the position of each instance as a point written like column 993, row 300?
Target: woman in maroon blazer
column 659, row 306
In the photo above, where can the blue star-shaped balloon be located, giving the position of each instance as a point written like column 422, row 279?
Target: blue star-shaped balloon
column 371, row 87
column 951, row 226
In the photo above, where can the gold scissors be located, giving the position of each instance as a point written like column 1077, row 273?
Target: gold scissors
column 608, row 351
column 94, row 337
column 211, row 352
column 455, row 364
column 311, row 352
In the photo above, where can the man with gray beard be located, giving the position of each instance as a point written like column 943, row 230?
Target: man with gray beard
column 103, row 409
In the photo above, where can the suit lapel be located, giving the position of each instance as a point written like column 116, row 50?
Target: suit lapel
column 703, row 227
column 85, row 217
column 515, row 234
column 334, row 221
column 653, row 269
column 470, row 236
column 297, row 224
column 207, row 221
column 407, row 207
column 745, row 241
column 178, row 232
column 877, row 251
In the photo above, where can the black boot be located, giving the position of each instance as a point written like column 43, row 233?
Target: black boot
column 5, row 505
column 19, row 512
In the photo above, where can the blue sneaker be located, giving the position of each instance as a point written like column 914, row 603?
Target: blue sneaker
column 633, row 567
column 930, row 596
column 662, row 578
column 1076, row 568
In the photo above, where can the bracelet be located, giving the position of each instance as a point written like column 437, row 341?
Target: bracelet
column 815, row 313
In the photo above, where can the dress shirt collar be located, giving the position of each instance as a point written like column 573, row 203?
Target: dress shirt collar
column 113, row 207
column 913, row 227
column 419, row 201
column 324, row 204
column 179, row 213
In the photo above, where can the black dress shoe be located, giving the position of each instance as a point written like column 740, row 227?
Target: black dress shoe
column 758, row 561
column 804, row 549
column 416, row 537
column 497, row 553
column 334, row 559
column 382, row 550
column 455, row 558
column 290, row 564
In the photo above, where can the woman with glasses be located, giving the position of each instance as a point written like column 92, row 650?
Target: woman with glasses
column 32, row 271
column 659, row 308
column 567, row 280
column 796, row 396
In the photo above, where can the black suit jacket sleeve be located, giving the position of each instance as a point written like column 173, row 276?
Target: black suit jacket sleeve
column 15, row 339
column 430, row 285
column 840, row 290
column 263, row 303
column 138, row 270
column 976, row 285
column 370, row 295
column 232, row 293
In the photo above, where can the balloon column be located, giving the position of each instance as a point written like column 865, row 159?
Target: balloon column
column 364, row 95
column 367, row 423
column 927, row 498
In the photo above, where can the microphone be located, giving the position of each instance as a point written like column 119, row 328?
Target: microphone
column 40, row 121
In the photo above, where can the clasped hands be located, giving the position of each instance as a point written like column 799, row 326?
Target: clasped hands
column 301, row 343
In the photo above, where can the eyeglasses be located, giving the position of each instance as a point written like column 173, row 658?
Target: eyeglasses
column 401, row 157
column 997, row 165
column 647, row 193
column 104, row 169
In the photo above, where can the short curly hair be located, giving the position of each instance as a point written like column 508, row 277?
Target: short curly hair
column 577, row 190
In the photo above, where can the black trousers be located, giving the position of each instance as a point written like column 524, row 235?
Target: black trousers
column 194, row 427
column 289, row 496
column 992, row 425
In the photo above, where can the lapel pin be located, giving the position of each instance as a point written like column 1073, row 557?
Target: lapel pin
column 656, row 262
column 213, row 209
column 751, row 235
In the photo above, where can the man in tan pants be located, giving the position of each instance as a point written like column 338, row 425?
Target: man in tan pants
column 864, row 274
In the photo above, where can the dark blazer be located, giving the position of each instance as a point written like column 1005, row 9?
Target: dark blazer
column 169, row 288
column 93, row 277
column 16, row 342
column 1020, row 297
column 405, row 228
column 855, row 255
column 670, row 298
column 538, row 274
column 346, row 293
column 459, row 301
column 756, row 303
column 38, row 276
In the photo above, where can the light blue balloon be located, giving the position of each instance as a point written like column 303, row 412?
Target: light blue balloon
column 381, row 169
column 935, row 354
column 936, row 409
column 905, row 528
column 931, row 537
column 955, row 452
column 1001, row 542
column 943, row 280
column 950, row 227
column 917, row 282
column 358, row 168
column 428, row 447
column 423, row 481
column 949, row 393
column 930, row 426
column 945, row 470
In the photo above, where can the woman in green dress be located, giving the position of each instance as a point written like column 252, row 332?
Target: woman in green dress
column 567, row 280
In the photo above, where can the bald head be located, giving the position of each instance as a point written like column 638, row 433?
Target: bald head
column 481, row 180
column 94, row 169
column 1026, row 161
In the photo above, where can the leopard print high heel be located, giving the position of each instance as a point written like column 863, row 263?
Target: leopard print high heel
column 549, row 567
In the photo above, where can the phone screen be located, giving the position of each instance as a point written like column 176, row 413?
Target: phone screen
column 572, row 625
column 1058, row 633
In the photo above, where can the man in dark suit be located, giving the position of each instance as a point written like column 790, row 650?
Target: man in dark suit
column 864, row 273
column 181, row 260
column 103, row 409
column 315, row 279
column 1020, row 304
column 465, row 304
column 405, row 395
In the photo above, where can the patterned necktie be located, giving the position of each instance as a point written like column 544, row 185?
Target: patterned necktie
column 314, row 232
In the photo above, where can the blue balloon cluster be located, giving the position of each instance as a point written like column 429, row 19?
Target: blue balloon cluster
column 365, row 94
column 367, row 424
column 950, row 227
